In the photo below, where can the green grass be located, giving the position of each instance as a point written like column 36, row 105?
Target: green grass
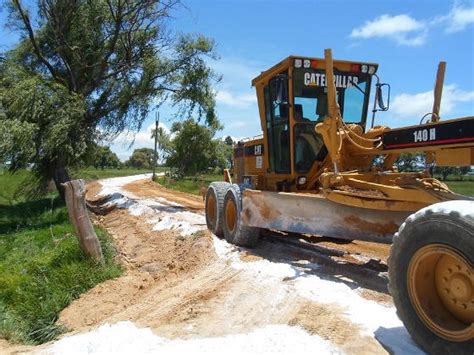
column 42, row 269
column 452, row 177
column 189, row 184
column 462, row 187
column 9, row 184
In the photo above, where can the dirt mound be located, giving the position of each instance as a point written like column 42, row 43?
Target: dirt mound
column 151, row 260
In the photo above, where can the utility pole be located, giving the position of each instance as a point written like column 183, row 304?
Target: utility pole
column 155, row 155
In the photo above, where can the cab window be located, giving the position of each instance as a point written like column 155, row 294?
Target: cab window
column 278, row 129
column 310, row 95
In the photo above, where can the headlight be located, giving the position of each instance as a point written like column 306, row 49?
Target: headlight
column 371, row 69
column 298, row 63
column 364, row 68
column 302, row 180
column 307, row 63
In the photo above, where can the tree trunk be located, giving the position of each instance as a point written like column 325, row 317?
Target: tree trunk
column 75, row 193
column 60, row 177
column 445, row 173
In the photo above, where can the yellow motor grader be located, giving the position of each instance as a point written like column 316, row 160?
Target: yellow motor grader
column 319, row 169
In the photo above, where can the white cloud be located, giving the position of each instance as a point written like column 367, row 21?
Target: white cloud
column 235, row 100
column 411, row 106
column 403, row 29
column 236, row 70
column 235, row 89
column 142, row 139
column 458, row 18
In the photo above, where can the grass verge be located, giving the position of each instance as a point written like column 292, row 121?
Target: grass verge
column 189, row 184
column 42, row 269
column 462, row 187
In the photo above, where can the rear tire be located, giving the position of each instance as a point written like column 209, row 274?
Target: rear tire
column 234, row 231
column 432, row 278
column 214, row 206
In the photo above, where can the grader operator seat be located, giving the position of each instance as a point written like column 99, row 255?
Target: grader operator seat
column 298, row 113
column 309, row 145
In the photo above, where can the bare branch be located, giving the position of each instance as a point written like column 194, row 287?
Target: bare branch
column 29, row 29
column 58, row 21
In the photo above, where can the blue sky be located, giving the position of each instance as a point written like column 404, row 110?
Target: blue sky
column 407, row 38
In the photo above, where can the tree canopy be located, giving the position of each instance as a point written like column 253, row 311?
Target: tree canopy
column 141, row 158
column 90, row 69
column 103, row 158
column 191, row 148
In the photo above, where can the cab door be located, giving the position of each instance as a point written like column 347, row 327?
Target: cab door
column 277, row 124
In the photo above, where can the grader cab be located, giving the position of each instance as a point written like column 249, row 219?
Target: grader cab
column 319, row 169
column 293, row 99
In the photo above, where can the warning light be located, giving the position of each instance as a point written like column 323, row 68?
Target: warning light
column 355, row 68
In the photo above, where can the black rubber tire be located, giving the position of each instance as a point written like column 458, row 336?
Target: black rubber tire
column 449, row 223
column 217, row 190
column 241, row 235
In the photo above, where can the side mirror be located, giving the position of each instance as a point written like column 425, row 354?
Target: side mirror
column 380, row 97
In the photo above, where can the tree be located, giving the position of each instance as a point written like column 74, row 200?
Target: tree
column 410, row 162
column 463, row 170
column 445, row 171
column 229, row 141
column 190, row 147
column 42, row 125
column 103, row 63
column 225, row 153
column 141, row 158
column 105, row 158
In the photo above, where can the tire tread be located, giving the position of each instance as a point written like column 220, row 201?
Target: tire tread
column 456, row 214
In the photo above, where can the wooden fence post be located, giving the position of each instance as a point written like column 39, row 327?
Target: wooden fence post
column 75, row 193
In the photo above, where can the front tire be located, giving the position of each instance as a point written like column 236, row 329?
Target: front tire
column 214, row 206
column 432, row 277
column 234, row 231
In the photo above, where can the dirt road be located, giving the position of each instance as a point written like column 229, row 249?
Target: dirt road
column 193, row 289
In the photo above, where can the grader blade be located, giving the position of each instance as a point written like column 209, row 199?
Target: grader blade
column 314, row 214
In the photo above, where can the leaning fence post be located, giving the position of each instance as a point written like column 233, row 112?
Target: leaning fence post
column 75, row 195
